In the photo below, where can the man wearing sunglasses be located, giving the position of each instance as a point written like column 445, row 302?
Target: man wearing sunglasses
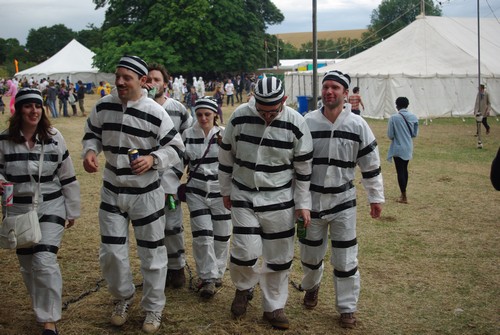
column 264, row 171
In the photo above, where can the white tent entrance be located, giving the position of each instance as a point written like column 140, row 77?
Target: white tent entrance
column 74, row 61
column 433, row 62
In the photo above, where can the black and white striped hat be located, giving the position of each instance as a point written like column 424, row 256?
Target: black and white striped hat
column 269, row 91
column 135, row 64
column 206, row 103
column 28, row 95
column 342, row 78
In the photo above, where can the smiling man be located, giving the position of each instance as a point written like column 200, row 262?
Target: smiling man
column 128, row 119
column 341, row 140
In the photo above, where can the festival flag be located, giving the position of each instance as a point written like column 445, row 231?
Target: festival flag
column 16, row 65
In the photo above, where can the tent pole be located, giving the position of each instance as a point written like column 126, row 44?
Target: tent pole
column 315, row 58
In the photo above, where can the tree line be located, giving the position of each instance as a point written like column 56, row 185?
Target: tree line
column 199, row 36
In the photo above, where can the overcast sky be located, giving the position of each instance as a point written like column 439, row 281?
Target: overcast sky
column 17, row 17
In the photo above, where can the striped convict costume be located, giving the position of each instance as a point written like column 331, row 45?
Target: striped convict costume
column 170, row 180
column 59, row 200
column 113, row 129
column 338, row 148
column 266, row 171
column 210, row 220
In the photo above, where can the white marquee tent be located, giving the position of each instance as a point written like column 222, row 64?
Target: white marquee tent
column 73, row 61
column 433, row 62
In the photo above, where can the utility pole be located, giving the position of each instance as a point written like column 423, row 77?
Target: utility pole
column 277, row 52
column 315, row 57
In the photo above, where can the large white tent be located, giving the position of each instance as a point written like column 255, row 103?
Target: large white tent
column 433, row 62
column 73, row 61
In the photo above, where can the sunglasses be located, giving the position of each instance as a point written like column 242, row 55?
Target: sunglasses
column 203, row 114
column 275, row 111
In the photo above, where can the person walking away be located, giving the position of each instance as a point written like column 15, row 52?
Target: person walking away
column 264, row 172
column 123, row 120
column 51, row 99
column 342, row 140
column 170, row 178
column 2, row 104
column 81, row 96
column 191, row 98
column 12, row 91
column 72, row 98
column 355, row 100
column 63, row 95
column 401, row 129
column 210, row 220
column 482, row 107
column 219, row 97
column 239, row 89
column 28, row 136
column 229, row 88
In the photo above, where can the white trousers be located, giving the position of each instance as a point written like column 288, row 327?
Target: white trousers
column 146, row 212
column 343, row 258
column 39, row 267
column 266, row 231
column 174, row 238
column 211, row 230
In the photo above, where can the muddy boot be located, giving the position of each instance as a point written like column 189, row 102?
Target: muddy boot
column 240, row 302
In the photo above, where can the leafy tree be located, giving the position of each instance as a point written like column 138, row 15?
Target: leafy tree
column 91, row 37
column 10, row 49
column 393, row 15
column 44, row 42
column 187, row 35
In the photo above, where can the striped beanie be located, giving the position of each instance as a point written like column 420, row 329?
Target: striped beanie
column 28, row 95
column 342, row 78
column 135, row 64
column 206, row 103
column 269, row 91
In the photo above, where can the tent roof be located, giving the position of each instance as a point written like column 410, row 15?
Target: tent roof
column 430, row 46
column 73, row 58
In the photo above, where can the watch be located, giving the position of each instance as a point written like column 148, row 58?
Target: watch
column 155, row 161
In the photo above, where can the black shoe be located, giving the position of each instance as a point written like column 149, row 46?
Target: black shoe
column 50, row 332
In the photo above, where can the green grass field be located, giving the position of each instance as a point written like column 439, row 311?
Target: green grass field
column 429, row 267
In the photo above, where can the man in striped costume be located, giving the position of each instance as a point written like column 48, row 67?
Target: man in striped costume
column 170, row 179
column 264, row 172
column 341, row 140
column 127, row 119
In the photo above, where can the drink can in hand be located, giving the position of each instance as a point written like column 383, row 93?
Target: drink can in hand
column 8, row 194
column 133, row 154
column 152, row 92
column 301, row 230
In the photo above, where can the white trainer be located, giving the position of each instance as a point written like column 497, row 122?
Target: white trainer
column 120, row 312
column 152, row 322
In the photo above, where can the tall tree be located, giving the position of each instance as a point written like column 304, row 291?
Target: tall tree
column 90, row 37
column 393, row 15
column 44, row 42
column 187, row 35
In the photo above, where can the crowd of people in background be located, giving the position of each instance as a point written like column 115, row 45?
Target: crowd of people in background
column 61, row 95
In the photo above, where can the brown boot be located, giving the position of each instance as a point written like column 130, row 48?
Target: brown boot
column 277, row 319
column 240, row 302
column 347, row 320
column 311, row 297
column 176, row 278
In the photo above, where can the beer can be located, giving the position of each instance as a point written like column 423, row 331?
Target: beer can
column 133, row 154
column 152, row 92
column 8, row 194
column 301, row 230
column 171, row 203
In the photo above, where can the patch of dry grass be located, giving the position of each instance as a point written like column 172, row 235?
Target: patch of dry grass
column 429, row 267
